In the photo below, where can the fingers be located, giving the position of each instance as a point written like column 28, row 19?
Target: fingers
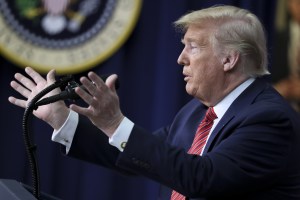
column 20, row 89
column 94, row 85
column 17, row 102
column 91, row 86
column 88, row 98
column 95, row 88
column 96, row 81
column 80, row 110
column 25, row 81
column 51, row 76
column 34, row 75
column 111, row 81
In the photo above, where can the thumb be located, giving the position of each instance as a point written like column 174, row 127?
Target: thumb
column 51, row 76
column 111, row 82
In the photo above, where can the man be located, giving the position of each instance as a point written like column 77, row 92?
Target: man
column 253, row 145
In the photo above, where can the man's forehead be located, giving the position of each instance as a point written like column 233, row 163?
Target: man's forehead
column 197, row 33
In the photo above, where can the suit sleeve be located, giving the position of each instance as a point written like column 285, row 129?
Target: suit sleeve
column 91, row 145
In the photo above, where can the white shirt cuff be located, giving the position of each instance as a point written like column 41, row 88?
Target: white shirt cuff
column 120, row 137
column 65, row 134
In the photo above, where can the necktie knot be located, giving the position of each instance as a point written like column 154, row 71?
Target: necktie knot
column 203, row 132
column 210, row 115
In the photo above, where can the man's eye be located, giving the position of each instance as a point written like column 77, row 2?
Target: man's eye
column 192, row 45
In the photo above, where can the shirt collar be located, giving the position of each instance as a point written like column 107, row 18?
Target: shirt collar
column 224, row 104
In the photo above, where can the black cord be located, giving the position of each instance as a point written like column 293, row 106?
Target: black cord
column 30, row 147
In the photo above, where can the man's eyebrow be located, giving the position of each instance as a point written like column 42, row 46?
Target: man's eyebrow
column 202, row 43
column 188, row 40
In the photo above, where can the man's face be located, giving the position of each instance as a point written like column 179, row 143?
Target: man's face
column 203, row 68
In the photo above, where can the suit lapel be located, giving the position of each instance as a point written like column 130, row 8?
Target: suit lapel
column 246, row 98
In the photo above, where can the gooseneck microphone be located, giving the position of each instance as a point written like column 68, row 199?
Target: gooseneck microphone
column 69, row 92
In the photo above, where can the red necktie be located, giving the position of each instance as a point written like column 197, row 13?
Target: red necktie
column 199, row 141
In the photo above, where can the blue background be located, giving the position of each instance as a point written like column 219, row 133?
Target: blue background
column 152, row 90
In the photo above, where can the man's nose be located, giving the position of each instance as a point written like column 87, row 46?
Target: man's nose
column 182, row 60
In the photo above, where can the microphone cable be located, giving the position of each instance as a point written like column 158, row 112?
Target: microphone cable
column 28, row 139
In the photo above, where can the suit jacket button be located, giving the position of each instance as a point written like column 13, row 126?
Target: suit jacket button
column 135, row 161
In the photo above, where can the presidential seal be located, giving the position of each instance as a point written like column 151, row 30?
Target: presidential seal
column 70, row 36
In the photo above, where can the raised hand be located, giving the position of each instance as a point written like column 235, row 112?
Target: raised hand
column 104, row 109
column 54, row 114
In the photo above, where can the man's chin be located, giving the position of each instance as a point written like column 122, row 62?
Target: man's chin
column 188, row 89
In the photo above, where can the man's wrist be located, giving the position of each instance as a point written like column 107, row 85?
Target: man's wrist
column 65, row 134
column 61, row 118
column 120, row 137
column 113, row 126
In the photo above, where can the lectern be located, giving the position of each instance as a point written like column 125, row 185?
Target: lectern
column 14, row 190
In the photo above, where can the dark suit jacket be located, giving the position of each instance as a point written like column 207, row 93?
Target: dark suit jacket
column 253, row 153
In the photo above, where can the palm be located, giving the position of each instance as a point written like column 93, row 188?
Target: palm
column 54, row 113
column 46, row 111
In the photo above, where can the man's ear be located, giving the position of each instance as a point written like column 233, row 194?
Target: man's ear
column 230, row 60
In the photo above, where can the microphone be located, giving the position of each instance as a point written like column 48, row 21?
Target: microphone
column 69, row 92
